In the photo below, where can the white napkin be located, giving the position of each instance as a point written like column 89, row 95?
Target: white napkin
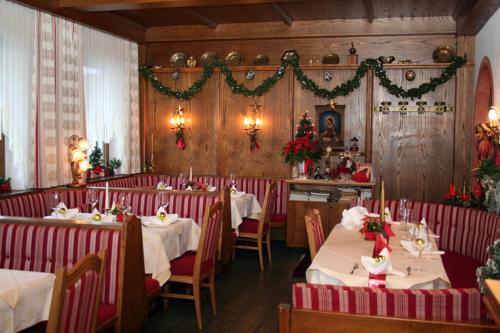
column 237, row 195
column 233, row 189
column 161, row 186
column 157, row 220
column 103, row 218
column 407, row 245
column 353, row 217
column 382, row 266
column 388, row 217
column 189, row 188
column 212, row 188
column 62, row 212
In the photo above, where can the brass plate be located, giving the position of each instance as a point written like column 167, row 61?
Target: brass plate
column 261, row 60
column 331, row 58
column 234, row 59
column 290, row 55
column 443, row 54
column 208, row 57
column 178, row 59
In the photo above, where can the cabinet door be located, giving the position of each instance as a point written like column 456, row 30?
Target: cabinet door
column 296, row 235
column 334, row 215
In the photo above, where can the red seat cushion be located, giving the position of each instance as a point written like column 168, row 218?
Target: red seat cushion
column 152, row 285
column 106, row 311
column 251, row 226
column 184, row 265
column 278, row 220
column 461, row 270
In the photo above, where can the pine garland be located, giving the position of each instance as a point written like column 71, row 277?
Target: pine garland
column 343, row 89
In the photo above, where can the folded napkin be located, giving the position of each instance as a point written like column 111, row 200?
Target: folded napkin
column 381, row 264
column 388, row 217
column 161, row 186
column 353, row 217
column 407, row 245
column 62, row 212
column 96, row 216
column 160, row 219
column 238, row 195
column 212, row 188
column 189, row 188
column 233, row 189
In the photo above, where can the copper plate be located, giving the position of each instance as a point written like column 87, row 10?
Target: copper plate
column 208, row 57
column 178, row 59
column 234, row 59
column 290, row 55
column 261, row 60
column 443, row 54
column 331, row 58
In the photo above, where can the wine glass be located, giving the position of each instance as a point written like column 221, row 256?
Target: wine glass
column 404, row 213
column 124, row 203
column 162, row 200
column 92, row 198
column 54, row 199
column 232, row 180
column 205, row 181
column 183, row 181
column 420, row 240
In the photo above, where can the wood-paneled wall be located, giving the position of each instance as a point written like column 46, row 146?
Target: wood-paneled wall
column 417, row 155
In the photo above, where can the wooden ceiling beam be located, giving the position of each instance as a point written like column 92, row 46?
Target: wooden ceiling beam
column 473, row 18
column 281, row 13
column 109, row 22
column 368, row 5
column 203, row 18
column 115, row 5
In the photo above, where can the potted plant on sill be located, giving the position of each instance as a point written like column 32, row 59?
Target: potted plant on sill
column 303, row 151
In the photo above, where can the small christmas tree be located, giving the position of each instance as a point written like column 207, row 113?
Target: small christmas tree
column 95, row 157
column 305, row 128
column 491, row 270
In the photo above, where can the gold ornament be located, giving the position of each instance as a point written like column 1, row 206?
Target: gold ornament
column 410, row 75
column 191, row 62
column 97, row 217
column 420, row 241
column 62, row 210
column 162, row 216
column 379, row 258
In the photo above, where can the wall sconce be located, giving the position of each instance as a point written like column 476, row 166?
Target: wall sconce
column 177, row 124
column 251, row 125
column 78, row 157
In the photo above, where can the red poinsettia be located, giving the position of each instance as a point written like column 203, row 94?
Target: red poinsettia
column 97, row 170
column 464, row 199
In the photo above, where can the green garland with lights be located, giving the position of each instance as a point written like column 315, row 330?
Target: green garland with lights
column 343, row 89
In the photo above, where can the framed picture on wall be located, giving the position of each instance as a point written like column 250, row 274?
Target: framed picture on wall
column 330, row 126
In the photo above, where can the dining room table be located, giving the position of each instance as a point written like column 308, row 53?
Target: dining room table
column 243, row 205
column 338, row 262
column 25, row 298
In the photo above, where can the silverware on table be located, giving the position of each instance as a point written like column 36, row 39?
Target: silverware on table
column 355, row 267
column 408, row 269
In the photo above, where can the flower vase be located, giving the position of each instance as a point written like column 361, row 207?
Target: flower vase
column 301, row 167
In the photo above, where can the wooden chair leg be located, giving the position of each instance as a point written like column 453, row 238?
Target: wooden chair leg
column 165, row 299
column 268, row 241
column 211, row 285
column 261, row 259
column 197, row 305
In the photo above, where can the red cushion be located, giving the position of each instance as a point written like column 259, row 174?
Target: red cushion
column 106, row 311
column 184, row 265
column 251, row 226
column 152, row 285
column 461, row 270
column 278, row 220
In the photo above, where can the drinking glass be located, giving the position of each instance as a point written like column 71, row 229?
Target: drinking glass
column 124, row 203
column 232, row 180
column 205, row 181
column 183, row 181
column 404, row 213
column 162, row 200
column 54, row 199
column 92, row 198
column 419, row 240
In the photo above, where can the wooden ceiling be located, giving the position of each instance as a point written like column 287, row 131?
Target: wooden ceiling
column 132, row 18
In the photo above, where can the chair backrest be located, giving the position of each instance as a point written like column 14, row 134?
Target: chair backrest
column 209, row 238
column 315, row 235
column 76, row 296
column 225, row 240
column 268, row 207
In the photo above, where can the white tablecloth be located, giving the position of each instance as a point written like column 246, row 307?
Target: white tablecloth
column 165, row 243
column 343, row 248
column 243, row 206
column 24, row 299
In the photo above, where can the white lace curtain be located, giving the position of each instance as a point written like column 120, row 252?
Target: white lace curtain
column 17, row 71
column 111, row 96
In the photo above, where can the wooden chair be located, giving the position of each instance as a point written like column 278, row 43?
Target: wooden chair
column 76, row 296
column 194, row 267
column 255, row 231
column 315, row 235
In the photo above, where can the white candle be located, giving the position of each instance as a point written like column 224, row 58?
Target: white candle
column 190, row 173
column 106, row 199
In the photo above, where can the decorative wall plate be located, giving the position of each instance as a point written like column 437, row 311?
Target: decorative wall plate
column 443, row 54
column 234, row 59
column 208, row 57
column 261, row 60
column 178, row 59
column 386, row 60
column 290, row 55
column 331, row 58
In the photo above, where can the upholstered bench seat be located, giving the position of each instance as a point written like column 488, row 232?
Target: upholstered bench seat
column 461, row 270
column 106, row 314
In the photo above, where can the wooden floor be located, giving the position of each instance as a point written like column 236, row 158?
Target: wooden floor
column 246, row 298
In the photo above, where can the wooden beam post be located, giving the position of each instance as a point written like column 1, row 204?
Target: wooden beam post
column 368, row 5
column 203, row 18
column 281, row 13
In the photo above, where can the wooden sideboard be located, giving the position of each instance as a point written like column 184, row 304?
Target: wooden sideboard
column 330, row 211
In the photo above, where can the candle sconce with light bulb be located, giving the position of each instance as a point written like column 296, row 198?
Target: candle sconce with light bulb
column 177, row 124
column 251, row 125
column 78, row 158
